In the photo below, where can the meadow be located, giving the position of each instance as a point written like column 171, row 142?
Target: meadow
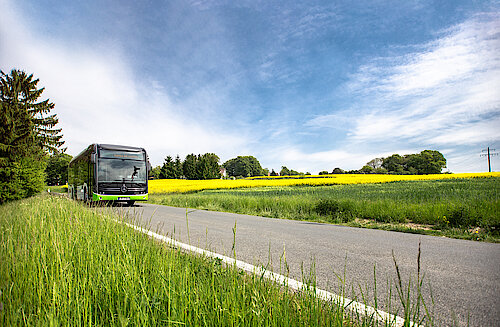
column 456, row 207
column 64, row 263
column 185, row 186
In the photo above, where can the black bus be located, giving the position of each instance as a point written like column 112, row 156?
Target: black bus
column 105, row 172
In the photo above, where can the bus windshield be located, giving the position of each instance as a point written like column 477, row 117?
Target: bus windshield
column 121, row 170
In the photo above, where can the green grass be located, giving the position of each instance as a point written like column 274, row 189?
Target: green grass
column 63, row 263
column 461, row 208
column 57, row 188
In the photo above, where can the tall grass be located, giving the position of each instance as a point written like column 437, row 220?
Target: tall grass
column 454, row 204
column 65, row 264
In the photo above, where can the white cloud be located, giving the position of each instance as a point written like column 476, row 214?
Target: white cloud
column 98, row 98
column 340, row 119
column 468, row 134
column 468, row 50
column 445, row 94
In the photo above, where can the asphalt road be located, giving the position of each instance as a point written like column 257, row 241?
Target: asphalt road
column 464, row 275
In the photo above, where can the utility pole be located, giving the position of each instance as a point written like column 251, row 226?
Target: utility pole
column 488, row 155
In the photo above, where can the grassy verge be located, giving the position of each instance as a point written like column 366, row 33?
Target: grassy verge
column 66, row 264
column 57, row 188
column 460, row 208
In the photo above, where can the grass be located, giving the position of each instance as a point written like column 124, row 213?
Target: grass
column 57, row 188
column 66, row 264
column 461, row 208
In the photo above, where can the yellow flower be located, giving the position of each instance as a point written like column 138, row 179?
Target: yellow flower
column 182, row 185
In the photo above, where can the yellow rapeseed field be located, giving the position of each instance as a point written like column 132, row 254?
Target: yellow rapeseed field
column 183, row 186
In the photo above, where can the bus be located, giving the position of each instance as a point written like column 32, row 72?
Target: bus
column 106, row 172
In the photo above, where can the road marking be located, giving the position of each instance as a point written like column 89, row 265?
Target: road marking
column 353, row 306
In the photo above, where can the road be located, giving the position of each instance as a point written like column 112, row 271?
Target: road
column 464, row 275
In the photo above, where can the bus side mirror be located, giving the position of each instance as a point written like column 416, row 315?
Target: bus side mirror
column 149, row 167
column 93, row 157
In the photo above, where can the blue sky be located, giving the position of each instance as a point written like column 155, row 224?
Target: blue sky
column 310, row 85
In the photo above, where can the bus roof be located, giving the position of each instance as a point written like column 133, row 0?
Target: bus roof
column 118, row 147
column 108, row 147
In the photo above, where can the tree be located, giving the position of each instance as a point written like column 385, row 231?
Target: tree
column 394, row 164
column 380, row 170
column 171, row 169
column 207, row 166
column 323, row 172
column 366, row 170
column 177, row 166
column 165, row 167
column 246, row 166
column 273, row 173
column 337, row 170
column 155, row 172
column 19, row 95
column 27, row 135
column 57, row 169
column 426, row 162
column 284, row 171
column 375, row 163
column 189, row 166
column 199, row 166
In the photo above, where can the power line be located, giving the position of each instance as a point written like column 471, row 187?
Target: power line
column 488, row 155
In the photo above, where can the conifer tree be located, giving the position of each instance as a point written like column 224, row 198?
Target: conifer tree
column 27, row 134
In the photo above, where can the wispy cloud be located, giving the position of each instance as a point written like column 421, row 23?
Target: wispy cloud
column 444, row 94
column 293, row 32
column 98, row 98
column 263, row 78
column 463, row 53
column 341, row 119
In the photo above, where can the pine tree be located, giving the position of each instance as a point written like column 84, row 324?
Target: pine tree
column 189, row 166
column 27, row 134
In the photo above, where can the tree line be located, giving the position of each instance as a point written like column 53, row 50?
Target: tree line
column 207, row 166
column 28, row 134
column 425, row 162
column 201, row 166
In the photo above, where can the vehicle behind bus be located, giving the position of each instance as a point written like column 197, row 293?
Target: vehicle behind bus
column 106, row 172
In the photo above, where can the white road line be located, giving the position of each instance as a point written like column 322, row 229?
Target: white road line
column 292, row 283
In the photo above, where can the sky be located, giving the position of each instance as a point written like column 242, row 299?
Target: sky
column 310, row 85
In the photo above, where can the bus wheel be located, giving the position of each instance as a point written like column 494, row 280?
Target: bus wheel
column 130, row 203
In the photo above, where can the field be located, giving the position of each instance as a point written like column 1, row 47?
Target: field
column 184, row 186
column 456, row 207
column 64, row 263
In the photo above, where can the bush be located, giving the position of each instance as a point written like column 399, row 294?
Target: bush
column 21, row 179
